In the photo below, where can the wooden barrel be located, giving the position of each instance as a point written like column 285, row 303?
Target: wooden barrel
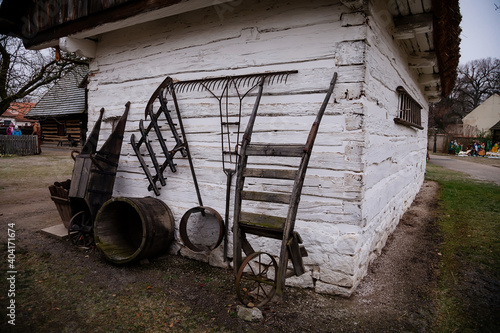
column 130, row 229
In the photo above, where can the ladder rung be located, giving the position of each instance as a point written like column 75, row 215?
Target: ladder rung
column 230, row 123
column 267, row 225
column 228, row 152
column 262, row 220
column 275, row 150
column 270, row 173
column 266, row 197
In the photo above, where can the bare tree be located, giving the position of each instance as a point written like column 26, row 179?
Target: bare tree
column 24, row 72
column 477, row 80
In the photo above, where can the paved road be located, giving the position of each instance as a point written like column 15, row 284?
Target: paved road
column 477, row 171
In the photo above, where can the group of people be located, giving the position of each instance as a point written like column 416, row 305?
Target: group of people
column 475, row 149
column 13, row 130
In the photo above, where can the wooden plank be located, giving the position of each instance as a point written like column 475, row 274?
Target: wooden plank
column 274, row 223
column 295, row 254
column 287, row 150
column 270, row 173
column 266, row 197
column 81, row 174
column 403, row 7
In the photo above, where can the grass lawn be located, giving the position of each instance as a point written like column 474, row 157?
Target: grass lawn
column 469, row 275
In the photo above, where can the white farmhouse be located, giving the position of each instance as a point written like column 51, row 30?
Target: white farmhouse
column 484, row 118
column 392, row 57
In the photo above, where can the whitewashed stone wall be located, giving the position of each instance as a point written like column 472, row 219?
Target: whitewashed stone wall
column 364, row 171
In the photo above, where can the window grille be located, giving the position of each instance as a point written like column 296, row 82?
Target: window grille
column 409, row 112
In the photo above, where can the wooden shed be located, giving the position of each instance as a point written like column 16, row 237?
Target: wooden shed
column 392, row 57
column 62, row 111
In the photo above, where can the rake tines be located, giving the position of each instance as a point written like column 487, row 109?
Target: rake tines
column 239, row 81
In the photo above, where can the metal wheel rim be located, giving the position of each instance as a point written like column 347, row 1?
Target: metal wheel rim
column 253, row 285
column 183, row 228
column 80, row 230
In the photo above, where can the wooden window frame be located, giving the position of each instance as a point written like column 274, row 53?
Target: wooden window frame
column 409, row 111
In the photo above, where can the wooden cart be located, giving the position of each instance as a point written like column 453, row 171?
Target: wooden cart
column 259, row 277
column 93, row 179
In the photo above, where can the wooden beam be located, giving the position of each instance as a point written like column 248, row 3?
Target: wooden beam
column 422, row 60
column 407, row 27
column 433, row 99
column 426, row 79
column 82, row 47
column 432, row 93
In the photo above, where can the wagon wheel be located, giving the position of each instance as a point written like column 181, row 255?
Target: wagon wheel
column 256, row 279
column 80, row 229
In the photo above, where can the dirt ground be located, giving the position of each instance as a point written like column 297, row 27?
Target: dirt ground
column 62, row 288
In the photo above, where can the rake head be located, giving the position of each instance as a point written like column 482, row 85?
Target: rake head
column 238, row 81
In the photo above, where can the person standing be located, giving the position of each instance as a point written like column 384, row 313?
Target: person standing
column 17, row 131
column 38, row 132
column 10, row 129
column 475, row 149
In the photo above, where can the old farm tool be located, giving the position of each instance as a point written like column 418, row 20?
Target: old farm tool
column 259, row 277
column 93, row 179
column 224, row 89
column 158, row 106
column 158, row 109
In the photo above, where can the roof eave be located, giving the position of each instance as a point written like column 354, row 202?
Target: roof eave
column 114, row 18
column 447, row 31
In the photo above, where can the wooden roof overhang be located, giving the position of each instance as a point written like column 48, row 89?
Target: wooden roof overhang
column 427, row 30
column 429, row 33
column 40, row 24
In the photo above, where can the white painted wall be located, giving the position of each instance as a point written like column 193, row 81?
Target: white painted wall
column 364, row 170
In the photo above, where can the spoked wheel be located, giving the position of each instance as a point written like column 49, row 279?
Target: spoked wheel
column 256, row 279
column 80, row 229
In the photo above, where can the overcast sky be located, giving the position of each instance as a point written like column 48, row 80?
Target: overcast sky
column 480, row 30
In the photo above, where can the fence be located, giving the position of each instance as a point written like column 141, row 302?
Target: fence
column 18, row 145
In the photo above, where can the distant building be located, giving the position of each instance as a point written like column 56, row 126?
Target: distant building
column 62, row 111
column 486, row 117
column 16, row 113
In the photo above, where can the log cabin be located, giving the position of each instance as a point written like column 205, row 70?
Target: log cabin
column 62, row 111
column 393, row 58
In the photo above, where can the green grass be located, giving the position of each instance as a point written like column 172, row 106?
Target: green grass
column 47, row 168
column 469, row 275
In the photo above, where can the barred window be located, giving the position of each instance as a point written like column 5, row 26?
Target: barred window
column 409, row 112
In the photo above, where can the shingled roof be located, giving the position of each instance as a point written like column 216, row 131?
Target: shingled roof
column 66, row 97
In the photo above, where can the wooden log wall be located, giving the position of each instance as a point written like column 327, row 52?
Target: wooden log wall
column 50, row 130
column 364, row 169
